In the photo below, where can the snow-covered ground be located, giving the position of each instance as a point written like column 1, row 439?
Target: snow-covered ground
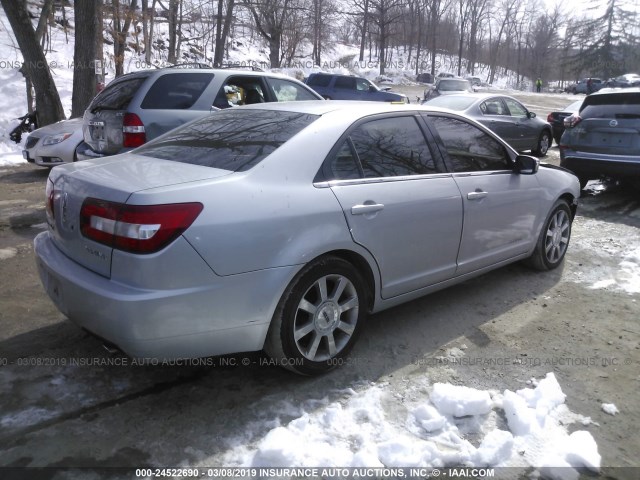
column 426, row 425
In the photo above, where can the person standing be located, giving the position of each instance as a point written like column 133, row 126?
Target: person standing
column 538, row 85
column 589, row 86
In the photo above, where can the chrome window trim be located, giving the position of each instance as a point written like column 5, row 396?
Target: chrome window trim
column 366, row 181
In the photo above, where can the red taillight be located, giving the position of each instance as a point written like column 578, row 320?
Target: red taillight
column 133, row 134
column 572, row 121
column 550, row 118
column 136, row 228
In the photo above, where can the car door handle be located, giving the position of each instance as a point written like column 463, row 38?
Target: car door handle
column 477, row 195
column 367, row 208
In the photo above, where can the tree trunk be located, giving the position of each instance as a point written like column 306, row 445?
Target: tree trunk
column 363, row 30
column 221, row 38
column 84, row 56
column 35, row 65
column 120, row 33
column 173, row 30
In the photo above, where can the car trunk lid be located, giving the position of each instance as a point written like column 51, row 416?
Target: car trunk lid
column 103, row 120
column 111, row 180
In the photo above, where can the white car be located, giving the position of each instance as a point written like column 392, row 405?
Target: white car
column 54, row 144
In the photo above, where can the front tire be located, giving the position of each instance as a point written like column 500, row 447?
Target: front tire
column 319, row 317
column 553, row 240
column 544, row 142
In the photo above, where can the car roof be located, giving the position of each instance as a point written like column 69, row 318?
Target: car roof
column 351, row 107
column 611, row 91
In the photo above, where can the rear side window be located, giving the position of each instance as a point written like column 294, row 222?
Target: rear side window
column 345, row 82
column 118, row 93
column 176, row 91
column 469, row 148
column 319, row 80
column 392, row 147
column 231, row 139
column 618, row 106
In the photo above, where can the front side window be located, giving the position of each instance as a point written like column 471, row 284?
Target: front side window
column 233, row 139
column 470, row 149
column 392, row 147
column 515, row 108
column 286, row 91
column 363, row 85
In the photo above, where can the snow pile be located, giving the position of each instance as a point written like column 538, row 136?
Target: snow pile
column 610, row 408
column 616, row 262
column 364, row 429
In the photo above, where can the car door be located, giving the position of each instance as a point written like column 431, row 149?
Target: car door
column 501, row 207
column 526, row 129
column 397, row 201
column 345, row 89
column 495, row 116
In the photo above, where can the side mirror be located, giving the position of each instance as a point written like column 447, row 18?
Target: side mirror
column 531, row 114
column 526, row 165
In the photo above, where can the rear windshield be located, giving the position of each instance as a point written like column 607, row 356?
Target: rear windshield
column 118, row 93
column 452, row 102
column 453, row 85
column 176, row 91
column 618, row 105
column 231, row 139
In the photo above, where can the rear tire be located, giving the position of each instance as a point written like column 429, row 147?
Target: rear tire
column 544, row 142
column 319, row 317
column 553, row 241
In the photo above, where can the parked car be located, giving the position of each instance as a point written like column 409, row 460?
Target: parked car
column 447, row 86
column 624, row 81
column 350, row 87
column 582, row 86
column 556, row 119
column 281, row 226
column 474, row 81
column 140, row 106
column 446, row 75
column 603, row 138
column 506, row 116
column 425, row 78
column 54, row 144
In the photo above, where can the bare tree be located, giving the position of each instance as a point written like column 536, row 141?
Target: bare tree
column 383, row 14
column 269, row 16
column 35, row 66
column 437, row 8
column 120, row 30
column 222, row 29
column 84, row 55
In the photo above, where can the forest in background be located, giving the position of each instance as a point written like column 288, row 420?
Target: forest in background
column 519, row 36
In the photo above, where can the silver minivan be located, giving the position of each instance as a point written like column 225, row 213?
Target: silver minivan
column 140, row 106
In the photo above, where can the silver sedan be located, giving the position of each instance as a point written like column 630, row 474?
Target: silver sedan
column 281, row 226
column 54, row 144
column 506, row 116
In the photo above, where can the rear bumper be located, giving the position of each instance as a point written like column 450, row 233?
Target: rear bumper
column 585, row 164
column 227, row 315
column 85, row 152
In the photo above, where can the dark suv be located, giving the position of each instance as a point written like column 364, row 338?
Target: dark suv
column 603, row 138
column 348, row 87
column 139, row 106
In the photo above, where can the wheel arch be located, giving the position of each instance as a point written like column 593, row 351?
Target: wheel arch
column 571, row 200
